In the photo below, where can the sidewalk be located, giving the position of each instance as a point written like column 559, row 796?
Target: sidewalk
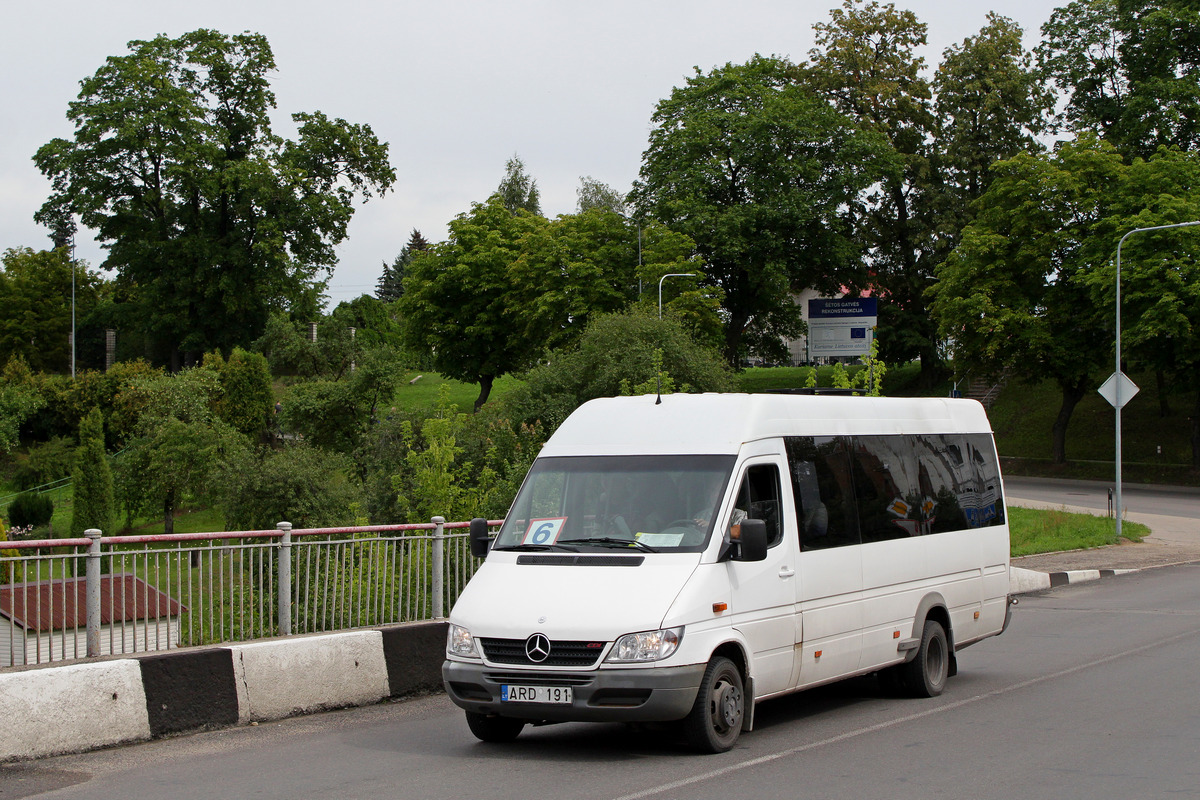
column 1173, row 540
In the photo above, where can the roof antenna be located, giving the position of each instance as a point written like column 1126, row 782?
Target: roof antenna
column 658, row 401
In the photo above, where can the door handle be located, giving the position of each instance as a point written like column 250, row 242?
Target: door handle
column 786, row 572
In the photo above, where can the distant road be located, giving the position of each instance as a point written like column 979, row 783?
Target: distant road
column 1171, row 501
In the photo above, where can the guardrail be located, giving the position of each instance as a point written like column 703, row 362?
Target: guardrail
column 65, row 599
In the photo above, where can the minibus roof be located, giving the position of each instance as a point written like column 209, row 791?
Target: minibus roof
column 721, row 423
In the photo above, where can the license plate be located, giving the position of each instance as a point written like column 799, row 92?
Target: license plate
column 536, row 694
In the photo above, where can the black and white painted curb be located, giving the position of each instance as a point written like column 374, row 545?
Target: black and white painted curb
column 64, row 709
column 1023, row 581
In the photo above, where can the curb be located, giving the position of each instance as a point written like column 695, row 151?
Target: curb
column 53, row 710
column 1024, row 581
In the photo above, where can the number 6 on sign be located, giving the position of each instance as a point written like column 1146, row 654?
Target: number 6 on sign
column 544, row 531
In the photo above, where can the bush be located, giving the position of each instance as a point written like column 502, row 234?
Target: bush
column 45, row 463
column 306, row 486
column 30, row 510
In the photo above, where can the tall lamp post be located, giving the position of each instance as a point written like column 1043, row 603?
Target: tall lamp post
column 1117, row 403
column 663, row 278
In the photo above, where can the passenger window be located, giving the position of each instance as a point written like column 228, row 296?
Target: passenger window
column 820, row 473
column 892, row 503
column 758, row 498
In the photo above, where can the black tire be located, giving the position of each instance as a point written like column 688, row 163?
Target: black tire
column 715, row 721
column 926, row 675
column 494, row 729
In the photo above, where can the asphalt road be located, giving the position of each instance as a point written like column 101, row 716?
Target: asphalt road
column 1167, row 501
column 1093, row 692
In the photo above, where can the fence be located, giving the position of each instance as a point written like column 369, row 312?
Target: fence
column 64, row 599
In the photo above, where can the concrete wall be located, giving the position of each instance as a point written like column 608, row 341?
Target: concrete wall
column 83, row 706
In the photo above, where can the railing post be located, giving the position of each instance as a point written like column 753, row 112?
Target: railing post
column 92, row 592
column 439, row 556
column 285, row 579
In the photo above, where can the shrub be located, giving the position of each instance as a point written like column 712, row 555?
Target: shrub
column 31, row 509
column 45, row 463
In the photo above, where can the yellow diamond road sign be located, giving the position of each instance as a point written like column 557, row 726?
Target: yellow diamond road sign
column 1109, row 390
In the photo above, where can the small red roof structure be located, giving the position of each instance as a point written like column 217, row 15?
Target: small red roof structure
column 60, row 604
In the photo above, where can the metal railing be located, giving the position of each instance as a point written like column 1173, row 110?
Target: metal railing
column 64, row 599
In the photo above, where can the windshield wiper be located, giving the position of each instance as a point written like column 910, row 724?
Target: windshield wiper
column 539, row 547
column 611, row 541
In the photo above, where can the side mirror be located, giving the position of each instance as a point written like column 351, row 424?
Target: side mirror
column 479, row 537
column 752, row 544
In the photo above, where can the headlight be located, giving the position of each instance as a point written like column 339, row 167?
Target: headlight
column 649, row 646
column 460, row 642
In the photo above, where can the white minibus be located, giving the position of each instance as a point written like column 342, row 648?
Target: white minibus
column 686, row 557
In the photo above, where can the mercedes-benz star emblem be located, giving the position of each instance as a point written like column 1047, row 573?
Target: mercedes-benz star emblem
column 537, row 648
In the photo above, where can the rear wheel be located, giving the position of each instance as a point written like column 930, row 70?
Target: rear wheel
column 715, row 721
column 493, row 729
column 926, row 675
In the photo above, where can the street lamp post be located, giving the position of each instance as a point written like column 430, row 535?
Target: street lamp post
column 663, row 278
column 1117, row 373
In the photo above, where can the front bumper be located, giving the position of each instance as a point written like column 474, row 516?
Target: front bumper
column 658, row 694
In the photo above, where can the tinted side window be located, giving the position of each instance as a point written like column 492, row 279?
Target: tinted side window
column 820, row 474
column 987, row 506
column 758, row 498
column 892, row 501
column 948, row 480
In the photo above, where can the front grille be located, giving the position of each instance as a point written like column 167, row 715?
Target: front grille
column 540, row 679
column 562, row 653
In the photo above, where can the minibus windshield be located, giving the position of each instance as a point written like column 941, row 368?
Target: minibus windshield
column 640, row 503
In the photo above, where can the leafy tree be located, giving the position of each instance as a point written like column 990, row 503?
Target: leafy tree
column 1130, row 70
column 335, row 414
column 457, row 298
column 990, row 105
column 592, row 194
column 35, row 294
column 1160, row 272
column 211, row 221
column 94, row 506
column 19, row 400
column 1013, row 297
column 518, row 191
column 306, row 486
column 615, row 352
column 179, row 439
column 246, row 398
column 758, row 171
column 391, row 282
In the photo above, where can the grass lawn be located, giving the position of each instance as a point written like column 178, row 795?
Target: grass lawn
column 1036, row 531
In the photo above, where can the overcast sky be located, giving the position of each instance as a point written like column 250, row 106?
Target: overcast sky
column 455, row 88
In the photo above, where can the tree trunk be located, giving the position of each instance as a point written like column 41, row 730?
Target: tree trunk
column 485, row 390
column 169, row 513
column 1164, row 404
column 1195, row 420
column 1071, row 395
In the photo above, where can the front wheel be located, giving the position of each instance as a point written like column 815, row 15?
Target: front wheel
column 493, row 729
column 715, row 721
column 926, row 675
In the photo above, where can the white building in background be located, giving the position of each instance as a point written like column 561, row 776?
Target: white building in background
column 46, row 622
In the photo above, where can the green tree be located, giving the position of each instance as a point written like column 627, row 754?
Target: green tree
column 35, row 295
column 211, row 221
column 758, row 171
column 457, row 298
column 306, row 486
column 517, row 190
column 1129, row 70
column 19, row 401
column 1160, row 273
column 1013, row 297
column 592, row 194
column 92, row 484
column 616, row 351
column 246, row 399
column 391, row 282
